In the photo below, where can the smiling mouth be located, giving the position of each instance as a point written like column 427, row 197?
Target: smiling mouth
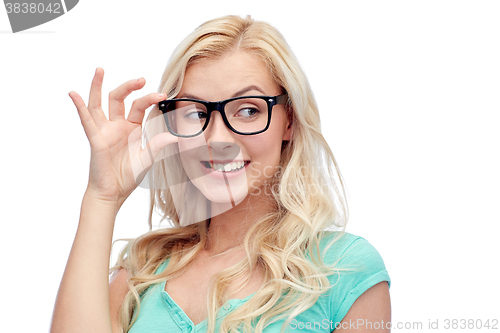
column 228, row 167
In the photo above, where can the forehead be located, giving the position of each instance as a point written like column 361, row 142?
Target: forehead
column 220, row 78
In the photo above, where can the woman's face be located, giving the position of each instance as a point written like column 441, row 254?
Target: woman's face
column 226, row 167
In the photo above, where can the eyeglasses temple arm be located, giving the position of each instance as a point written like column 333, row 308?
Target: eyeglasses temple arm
column 282, row 99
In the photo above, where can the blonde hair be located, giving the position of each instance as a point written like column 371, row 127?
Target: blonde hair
column 308, row 196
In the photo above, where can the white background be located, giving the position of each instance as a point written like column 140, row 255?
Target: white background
column 409, row 98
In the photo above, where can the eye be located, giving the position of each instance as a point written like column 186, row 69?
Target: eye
column 248, row 112
column 195, row 115
column 190, row 111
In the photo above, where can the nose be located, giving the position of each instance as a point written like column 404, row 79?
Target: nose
column 220, row 139
column 217, row 130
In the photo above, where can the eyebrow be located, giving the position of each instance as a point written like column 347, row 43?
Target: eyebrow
column 239, row 93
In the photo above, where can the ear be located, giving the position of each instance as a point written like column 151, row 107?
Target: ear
column 287, row 135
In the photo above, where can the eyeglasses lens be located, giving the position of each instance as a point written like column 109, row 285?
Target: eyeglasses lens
column 247, row 115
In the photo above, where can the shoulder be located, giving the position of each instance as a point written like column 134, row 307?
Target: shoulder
column 357, row 266
column 350, row 252
column 371, row 312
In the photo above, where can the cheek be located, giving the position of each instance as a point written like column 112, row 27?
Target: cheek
column 192, row 146
column 190, row 151
column 268, row 144
column 265, row 154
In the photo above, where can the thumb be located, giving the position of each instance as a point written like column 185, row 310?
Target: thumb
column 148, row 155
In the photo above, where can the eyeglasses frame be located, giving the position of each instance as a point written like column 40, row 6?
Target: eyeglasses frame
column 220, row 106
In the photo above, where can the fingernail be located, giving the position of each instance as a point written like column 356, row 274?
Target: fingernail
column 140, row 79
column 162, row 95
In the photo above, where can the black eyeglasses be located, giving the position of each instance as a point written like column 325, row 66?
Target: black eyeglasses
column 246, row 115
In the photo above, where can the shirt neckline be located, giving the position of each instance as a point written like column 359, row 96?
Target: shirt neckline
column 182, row 319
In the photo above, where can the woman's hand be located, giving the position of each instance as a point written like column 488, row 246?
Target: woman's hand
column 118, row 163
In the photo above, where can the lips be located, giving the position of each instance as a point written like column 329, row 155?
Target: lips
column 225, row 166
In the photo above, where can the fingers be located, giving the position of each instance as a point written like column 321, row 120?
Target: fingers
column 94, row 105
column 117, row 97
column 140, row 105
column 88, row 123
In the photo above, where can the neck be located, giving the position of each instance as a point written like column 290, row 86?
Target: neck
column 228, row 229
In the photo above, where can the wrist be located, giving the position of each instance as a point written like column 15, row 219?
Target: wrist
column 97, row 212
column 112, row 201
column 100, row 198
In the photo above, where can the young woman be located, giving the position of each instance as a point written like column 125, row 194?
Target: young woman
column 238, row 165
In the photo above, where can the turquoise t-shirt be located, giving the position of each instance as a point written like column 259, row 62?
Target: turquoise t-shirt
column 160, row 314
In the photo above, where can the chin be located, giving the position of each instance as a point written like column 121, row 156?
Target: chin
column 219, row 192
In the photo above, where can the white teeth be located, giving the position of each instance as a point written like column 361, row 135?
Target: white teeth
column 230, row 167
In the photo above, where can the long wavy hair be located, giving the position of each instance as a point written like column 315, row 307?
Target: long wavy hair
column 308, row 196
